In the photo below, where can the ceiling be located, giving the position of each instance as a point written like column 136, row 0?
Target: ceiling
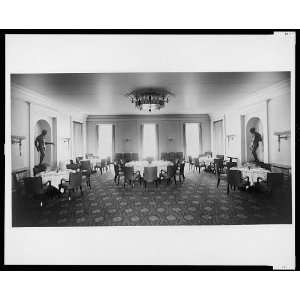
column 104, row 93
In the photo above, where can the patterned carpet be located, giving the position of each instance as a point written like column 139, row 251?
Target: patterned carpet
column 195, row 202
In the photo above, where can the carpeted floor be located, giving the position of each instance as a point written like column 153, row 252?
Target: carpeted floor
column 195, row 202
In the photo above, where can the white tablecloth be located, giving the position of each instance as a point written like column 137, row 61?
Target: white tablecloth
column 55, row 177
column 206, row 160
column 140, row 165
column 253, row 173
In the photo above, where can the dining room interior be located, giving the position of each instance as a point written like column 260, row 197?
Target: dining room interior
column 143, row 149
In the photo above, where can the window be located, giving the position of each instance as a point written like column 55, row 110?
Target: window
column 149, row 140
column 78, row 139
column 218, row 138
column 105, row 140
column 192, row 139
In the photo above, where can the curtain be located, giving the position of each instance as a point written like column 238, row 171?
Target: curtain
column 98, row 140
column 184, row 142
column 218, row 138
column 113, row 141
column 77, row 139
column 141, row 141
column 157, row 140
column 200, row 139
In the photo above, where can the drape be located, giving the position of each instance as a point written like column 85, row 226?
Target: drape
column 78, row 138
column 113, row 141
column 98, row 140
column 184, row 141
column 218, row 138
column 200, row 139
column 141, row 141
column 157, row 140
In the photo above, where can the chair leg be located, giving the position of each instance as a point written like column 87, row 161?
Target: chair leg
column 227, row 188
column 218, row 182
column 81, row 190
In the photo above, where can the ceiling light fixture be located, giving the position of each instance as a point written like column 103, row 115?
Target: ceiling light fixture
column 149, row 98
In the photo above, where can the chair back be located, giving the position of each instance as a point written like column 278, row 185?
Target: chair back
column 128, row 173
column 163, row 156
column 103, row 163
column 73, row 166
column 78, row 159
column 127, row 157
column 172, row 156
column 190, row 159
column 75, row 179
column 179, row 155
column 274, row 180
column 234, row 177
column 135, row 156
column 150, row 174
column 33, row 185
column 231, row 164
column 108, row 160
column 116, row 169
column 197, row 162
column 181, row 168
column 171, row 170
column 85, row 165
column 89, row 155
column 218, row 162
column 220, row 156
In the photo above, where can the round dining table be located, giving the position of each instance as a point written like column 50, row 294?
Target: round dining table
column 253, row 173
column 141, row 164
column 55, row 177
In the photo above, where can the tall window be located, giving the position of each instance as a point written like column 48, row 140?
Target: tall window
column 218, row 137
column 192, row 139
column 78, row 139
column 105, row 140
column 149, row 140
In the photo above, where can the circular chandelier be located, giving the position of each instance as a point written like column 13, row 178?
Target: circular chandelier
column 149, row 98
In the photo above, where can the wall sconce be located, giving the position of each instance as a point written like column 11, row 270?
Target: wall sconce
column 16, row 139
column 231, row 137
column 170, row 139
column 127, row 140
column 67, row 140
column 282, row 135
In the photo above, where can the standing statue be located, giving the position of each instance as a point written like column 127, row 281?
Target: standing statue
column 40, row 144
column 256, row 138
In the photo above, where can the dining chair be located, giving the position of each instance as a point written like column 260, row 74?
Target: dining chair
column 150, row 175
column 35, row 189
column 168, row 175
column 197, row 164
column 86, row 170
column 135, row 156
column 273, row 183
column 235, row 180
column 180, row 172
column 78, row 159
column 118, row 173
column 130, row 176
column 191, row 163
column 71, row 185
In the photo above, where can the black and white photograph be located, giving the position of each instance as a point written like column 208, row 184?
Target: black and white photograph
column 151, row 149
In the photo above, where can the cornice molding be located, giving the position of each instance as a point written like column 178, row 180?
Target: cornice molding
column 176, row 117
column 20, row 93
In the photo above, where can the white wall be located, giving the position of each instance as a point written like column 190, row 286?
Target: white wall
column 273, row 106
column 20, row 126
column 27, row 107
